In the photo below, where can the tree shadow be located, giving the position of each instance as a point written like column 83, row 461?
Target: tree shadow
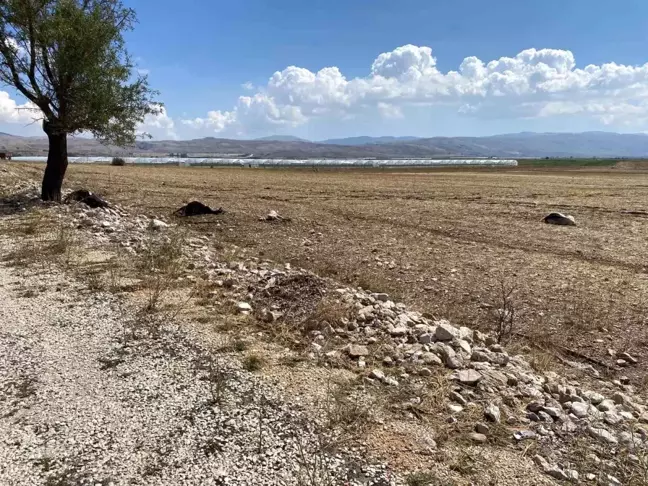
column 20, row 202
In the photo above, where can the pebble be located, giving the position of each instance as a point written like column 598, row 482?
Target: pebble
column 478, row 438
column 492, row 413
column 244, row 307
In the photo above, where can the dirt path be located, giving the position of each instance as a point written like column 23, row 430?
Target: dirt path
column 90, row 395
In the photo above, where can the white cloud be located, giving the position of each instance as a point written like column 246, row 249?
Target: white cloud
column 534, row 83
column 159, row 126
column 248, row 86
column 12, row 112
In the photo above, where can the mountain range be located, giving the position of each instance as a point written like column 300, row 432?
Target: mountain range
column 513, row 145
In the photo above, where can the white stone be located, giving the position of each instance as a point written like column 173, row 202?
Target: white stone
column 579, row 409
column 602, row 435
column 244, row 307
column 606, row 406
column 398, row 331
column 390, row 381
column 469, row 377
column 356, row 351
column 455, row 408
column 492, row 413
column 464, row 345
column 157, row 225
column 377, row 375
column 445, row 331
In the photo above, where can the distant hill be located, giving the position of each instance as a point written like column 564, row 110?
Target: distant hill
column 367, row 140
column 512, row 145
column 281, row 138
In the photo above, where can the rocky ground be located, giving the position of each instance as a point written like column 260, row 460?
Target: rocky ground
column 122, row 386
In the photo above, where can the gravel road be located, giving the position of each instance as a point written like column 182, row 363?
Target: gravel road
column 92, row 394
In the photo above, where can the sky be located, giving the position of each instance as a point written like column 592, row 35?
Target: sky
column 341, row 68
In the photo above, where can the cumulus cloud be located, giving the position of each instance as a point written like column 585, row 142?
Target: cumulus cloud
column 534, row 83
column 12, row 112
column 159, row 126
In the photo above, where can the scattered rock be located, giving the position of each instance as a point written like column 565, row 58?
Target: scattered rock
column 481, row 428
column 157, row 225
column 469, row 377
column 580, row 410
column 454, row 408
column 606, row 405
column 446, row 332
column 431, row 359
column 274, row 216
column 398, row 331
column 356, row 351
column 628, row 358
column 521, row 435
column 390, row 381
column 377, row 375
column 457, row 397
column 602, row 435
column 492, row 413
column 478, row 438
column 244, row 307
column 560, row 219
column 196, row 208
column 86, row 197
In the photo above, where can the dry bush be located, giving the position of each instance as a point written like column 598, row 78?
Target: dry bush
column 118, row 162
column 506, row 312
column 159, row 266
column 253, row 362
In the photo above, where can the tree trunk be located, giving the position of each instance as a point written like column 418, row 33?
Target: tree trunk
column 57, row 162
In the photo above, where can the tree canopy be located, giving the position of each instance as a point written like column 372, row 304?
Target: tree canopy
column 68, row 58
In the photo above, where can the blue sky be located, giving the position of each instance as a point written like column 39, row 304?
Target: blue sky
column 200, row 54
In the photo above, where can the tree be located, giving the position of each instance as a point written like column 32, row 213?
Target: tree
column 68, row 58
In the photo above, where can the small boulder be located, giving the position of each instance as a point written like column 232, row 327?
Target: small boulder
column 157, row 225
column 492, row 413
column 196, row 208
column 457, row 397
column 446, row 331
column 602, row 435
column 244, row 307
column 88, row 198
column 455, row 408
column 398, row 331
column 357, row 351
column 431, row 359
column 377, row 375
column 560, row 219
column 580, row 410
column 478, row 438
column 469, row 377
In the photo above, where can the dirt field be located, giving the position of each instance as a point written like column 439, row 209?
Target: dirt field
column 456, row 244
column 444, row 241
